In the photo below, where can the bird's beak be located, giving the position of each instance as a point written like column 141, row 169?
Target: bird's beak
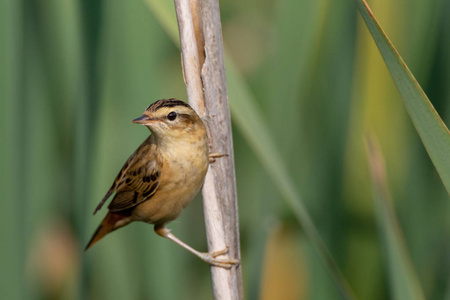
column 144, row 119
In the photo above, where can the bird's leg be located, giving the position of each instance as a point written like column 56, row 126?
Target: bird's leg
column 210, row 258
column 213, row 156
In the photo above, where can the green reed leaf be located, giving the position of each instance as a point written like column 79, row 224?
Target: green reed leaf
column 403, row 278
column 432, row 130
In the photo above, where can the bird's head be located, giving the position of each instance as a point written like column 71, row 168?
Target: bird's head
column 171, row 118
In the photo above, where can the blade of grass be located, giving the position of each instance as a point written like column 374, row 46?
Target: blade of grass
column 403, row 278
column 60, row 44
column 250, row 121
column 11, row 81
column 432, row 130
column 164, row 11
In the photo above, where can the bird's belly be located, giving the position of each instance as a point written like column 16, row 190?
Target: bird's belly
column 177, row 189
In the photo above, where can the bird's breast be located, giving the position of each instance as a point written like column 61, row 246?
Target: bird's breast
column 183, row 171
column 185, row 166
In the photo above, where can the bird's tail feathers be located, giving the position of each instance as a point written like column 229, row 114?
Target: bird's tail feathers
column 111, row 222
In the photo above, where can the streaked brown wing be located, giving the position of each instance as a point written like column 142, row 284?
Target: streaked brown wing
column 115, row 184
column 137, row 185
column 133, row 162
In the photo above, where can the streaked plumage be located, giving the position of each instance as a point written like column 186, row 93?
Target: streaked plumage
column 163, row 175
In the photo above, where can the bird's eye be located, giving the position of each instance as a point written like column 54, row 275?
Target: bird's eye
column 172, row 116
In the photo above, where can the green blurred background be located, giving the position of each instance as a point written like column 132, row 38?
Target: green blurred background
column 74, row 73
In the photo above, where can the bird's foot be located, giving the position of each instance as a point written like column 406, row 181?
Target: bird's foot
column 213, row 156
column 212, row 259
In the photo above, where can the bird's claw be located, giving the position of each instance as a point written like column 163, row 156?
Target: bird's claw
column 211, row 258
column 213, row 156
column 219, row 253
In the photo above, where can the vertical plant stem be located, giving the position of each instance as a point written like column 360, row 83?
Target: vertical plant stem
column 189, row 57
column 204, row 73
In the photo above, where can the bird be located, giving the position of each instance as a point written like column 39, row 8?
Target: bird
column 162, row 176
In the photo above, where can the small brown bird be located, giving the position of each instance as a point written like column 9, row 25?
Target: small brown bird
column 162, row 176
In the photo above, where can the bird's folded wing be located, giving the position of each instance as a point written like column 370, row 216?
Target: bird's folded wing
column 130, row 166
column 137, row 185
column 116, row 184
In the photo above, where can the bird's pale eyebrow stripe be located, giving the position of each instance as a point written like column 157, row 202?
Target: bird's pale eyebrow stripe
column 166, row 103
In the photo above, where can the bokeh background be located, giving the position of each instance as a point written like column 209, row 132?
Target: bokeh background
column 74, row 73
